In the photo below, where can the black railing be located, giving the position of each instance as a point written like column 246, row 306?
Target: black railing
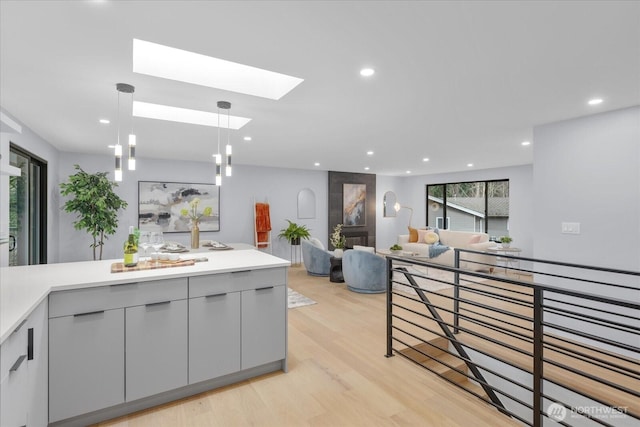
column 535, row 339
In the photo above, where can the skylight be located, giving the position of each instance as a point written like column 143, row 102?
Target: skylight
column 176, row 64
column 185, row 115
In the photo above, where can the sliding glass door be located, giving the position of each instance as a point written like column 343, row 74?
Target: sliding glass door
column 27, row 210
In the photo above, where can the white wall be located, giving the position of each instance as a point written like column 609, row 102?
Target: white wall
column 413, row 192
column 33, row 143
column 587, row 170
column 279, row 187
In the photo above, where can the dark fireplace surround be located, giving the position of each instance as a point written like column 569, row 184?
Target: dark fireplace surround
column 361, row 235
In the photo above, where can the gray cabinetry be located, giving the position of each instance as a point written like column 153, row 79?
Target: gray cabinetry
column 156, row 343
column 264, row 325
column 214, row 335
column 86, row 362
column 23, row 371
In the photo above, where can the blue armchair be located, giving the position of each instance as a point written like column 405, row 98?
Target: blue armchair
column 315, row 257
column 364, row 272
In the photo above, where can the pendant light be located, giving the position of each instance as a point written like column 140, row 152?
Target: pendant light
column 125, row 88
column 225, row 106
column 228, row 149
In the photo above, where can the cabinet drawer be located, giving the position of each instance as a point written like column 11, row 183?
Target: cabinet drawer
column 14, row 351
column 78, row 301
column 236, row 281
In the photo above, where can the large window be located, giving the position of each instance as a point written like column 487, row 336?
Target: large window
column 27, row 209
column 480, row 206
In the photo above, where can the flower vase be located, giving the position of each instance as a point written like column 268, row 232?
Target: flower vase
column 195, row 236
column 338, row 252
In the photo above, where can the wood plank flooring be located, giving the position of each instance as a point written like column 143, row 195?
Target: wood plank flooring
column 338, row 376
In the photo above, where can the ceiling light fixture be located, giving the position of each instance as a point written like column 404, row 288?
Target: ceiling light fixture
column 176, row 64
column 408, row 172
column 225, row 106
column 105, row 121
column 124, row 88
column 367, row 168
column 369, row 153
column 426, row 159
column 367, row 72
column 469, row 165
column 595, row 101
column 316, row 164
column 247, row 138
column 525, row 143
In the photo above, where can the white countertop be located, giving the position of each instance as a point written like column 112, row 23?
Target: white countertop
column 22, row 288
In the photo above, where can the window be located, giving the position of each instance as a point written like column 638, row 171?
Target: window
column 27, row 209
column 479, row 206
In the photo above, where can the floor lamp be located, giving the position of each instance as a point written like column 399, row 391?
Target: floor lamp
column 397, row 207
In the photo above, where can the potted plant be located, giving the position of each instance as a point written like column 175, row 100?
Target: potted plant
column 338, row 240
column 395, row 249
column 95, row 203
column 294, row 232
column 506, row 241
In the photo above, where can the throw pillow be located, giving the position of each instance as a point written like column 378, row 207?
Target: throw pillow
column 431, row 238
column 364, row 249
column 421, row 234
column 316, row 242
column 474, row 239
column 413, row 235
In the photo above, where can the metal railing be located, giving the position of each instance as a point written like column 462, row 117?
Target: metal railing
column 533, row 338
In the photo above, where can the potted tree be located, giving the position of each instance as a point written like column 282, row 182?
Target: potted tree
column 95, row 203
column 294, row 232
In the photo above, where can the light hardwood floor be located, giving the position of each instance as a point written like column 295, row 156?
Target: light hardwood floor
column 338, row 376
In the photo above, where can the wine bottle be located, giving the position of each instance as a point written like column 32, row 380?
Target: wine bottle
column 131, row 250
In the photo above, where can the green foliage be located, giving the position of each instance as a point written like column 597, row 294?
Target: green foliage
column 506, row 239
column 294, row 232
column 95, row 203
column 395, row 247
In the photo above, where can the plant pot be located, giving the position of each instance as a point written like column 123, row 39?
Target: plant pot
column 295, row 241
column 506, row 245
column 338, row 253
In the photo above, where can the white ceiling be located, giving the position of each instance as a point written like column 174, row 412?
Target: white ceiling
column 457, row 82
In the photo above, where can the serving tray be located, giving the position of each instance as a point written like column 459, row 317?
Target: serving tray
column 118, row 267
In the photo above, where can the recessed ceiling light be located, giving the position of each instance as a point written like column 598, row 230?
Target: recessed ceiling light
column 366, row 168
column 316, row 164
column 369, row 153
column 105, row 121
column 525, row 143
column 408, row 171
column 176, row 64
column 426, row 159
column 247, row 138
column 111, row 146
column 595, row 101
column 367, row 72
column 185, row 115
column 469, row 165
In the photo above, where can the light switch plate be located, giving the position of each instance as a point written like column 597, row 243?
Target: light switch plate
column 570, row 228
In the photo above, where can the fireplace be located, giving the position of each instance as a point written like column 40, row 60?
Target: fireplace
column 360, row 238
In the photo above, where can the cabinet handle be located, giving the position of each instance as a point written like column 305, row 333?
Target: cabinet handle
column 157, row 303
column 264, row 289
column 19, row 326
column 89, row 313
column 124, row 284
column 216, row 295
column 240, row 271
column 30, row 344
column 17, row 363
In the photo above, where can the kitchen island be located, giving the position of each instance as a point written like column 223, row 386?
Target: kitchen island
column 104, row 344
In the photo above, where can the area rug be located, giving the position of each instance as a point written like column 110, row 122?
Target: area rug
column 429, row 285
column 296, row 299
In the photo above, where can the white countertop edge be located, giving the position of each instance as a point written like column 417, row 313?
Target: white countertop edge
column 17, row 301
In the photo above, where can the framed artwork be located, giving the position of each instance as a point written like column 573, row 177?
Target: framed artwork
column 353, row 204
column 161, row 206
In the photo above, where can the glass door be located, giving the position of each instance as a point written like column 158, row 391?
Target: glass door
column 27, row 210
